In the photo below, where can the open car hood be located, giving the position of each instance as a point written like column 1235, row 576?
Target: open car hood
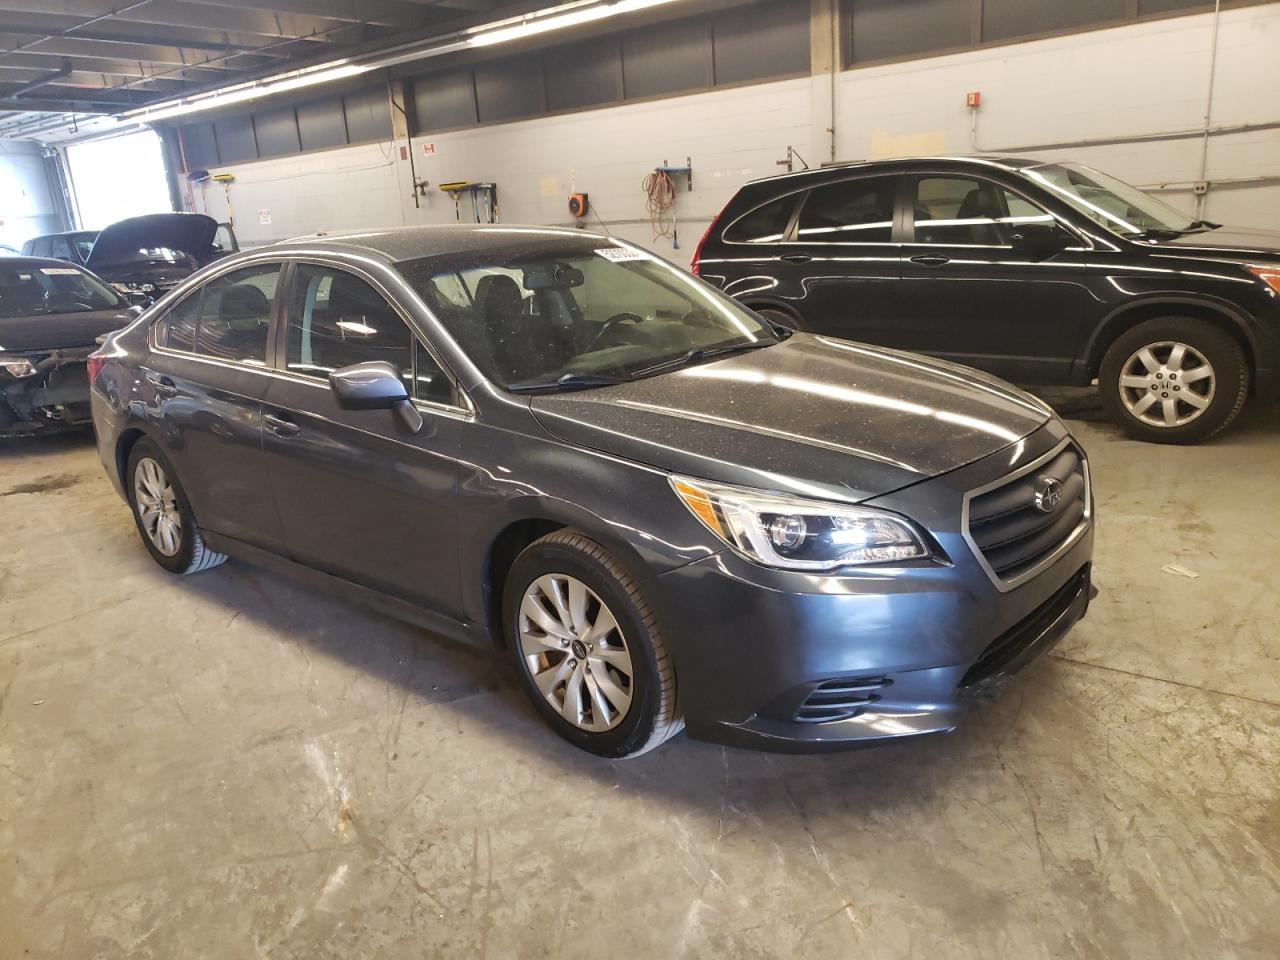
column 813, row 416
column 189, row 232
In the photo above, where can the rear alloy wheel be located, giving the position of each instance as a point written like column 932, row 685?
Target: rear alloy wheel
column 163, row 514
column 1175, row 380
column 588, row 649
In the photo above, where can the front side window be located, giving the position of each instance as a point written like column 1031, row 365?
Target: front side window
column 62, row 249
column 969, row 211
column 551, row 307
column 851, row 211
column 336, row 320
column 228, row 318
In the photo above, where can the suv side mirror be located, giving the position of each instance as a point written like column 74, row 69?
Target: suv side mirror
column 1040, row 240
column 375, row 385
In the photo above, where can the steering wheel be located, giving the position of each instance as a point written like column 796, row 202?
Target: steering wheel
column 612, row 322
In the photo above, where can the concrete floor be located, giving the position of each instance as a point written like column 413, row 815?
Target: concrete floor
column 228, row 765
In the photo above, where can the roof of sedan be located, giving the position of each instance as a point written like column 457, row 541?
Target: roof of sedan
column 410, row 243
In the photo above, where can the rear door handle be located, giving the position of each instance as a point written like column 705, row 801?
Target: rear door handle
column 795, row 258
column 162, row 385
column 281, row 426
column 931, row 259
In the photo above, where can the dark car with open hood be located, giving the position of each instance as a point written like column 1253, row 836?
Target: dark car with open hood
column 52, row 316
column 661, row 508
column 145, row 257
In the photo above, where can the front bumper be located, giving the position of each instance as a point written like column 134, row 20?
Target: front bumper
column 55, row 397
column 789, row 661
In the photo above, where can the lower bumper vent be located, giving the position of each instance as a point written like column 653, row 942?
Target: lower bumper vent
column 839, row 699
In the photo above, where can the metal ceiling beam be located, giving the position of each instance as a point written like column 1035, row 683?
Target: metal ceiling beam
column 36, row 26
column 34, row 105
column 93, row 81
column 212, row 73
column 180, row 13
column 44, row 80
column 80, row 48
column 390, row 13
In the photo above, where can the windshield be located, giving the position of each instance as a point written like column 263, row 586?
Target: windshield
column 30, row 291
column 1114, row 204
column 578, row 308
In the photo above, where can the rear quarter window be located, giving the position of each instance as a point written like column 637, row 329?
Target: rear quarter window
column 764, row 224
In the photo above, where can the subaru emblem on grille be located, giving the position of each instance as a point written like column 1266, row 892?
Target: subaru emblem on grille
column 1048, row 493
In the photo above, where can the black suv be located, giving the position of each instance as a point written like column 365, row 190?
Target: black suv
column 1038, row 272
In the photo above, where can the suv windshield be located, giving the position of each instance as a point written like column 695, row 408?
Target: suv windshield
column 28, row 291
column 579, row 312
column 1114, row 204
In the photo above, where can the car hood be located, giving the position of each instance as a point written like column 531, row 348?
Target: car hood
column 189, row 232
column 1241, row 242
column 814, row 416
column 56, row 331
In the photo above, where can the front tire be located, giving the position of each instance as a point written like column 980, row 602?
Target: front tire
column 587, row 647
column 163, row 514
column 1174, row 380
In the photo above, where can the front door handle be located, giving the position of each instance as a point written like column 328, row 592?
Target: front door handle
column 795, row 258
column 162, row 385
column 931, row 259
column 281, row 426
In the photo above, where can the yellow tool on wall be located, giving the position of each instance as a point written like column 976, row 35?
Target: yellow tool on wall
column 225, row 179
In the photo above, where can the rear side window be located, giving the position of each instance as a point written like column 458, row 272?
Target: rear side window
column 227, row 318
column 765, row 224
column 851, row 211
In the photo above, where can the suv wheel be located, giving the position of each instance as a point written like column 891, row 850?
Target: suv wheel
column 774, row 315
column 1174, row 380
column 163, row 513
column 588, row 649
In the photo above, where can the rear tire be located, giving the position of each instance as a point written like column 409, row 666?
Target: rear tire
column 163, row 514
column 588, row 649
column 1174, row 380
column 775, row 315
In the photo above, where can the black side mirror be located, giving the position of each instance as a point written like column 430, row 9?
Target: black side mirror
column 375, row 385
column 1040, row 240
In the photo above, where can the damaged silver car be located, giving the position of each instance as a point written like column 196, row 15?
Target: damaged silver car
column 52, row 316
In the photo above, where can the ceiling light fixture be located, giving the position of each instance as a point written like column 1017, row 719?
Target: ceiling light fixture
column 485, row 35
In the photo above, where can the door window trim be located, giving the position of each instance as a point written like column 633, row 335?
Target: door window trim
column 792, row 237
column 267, row 365
column 907, row 205
column 466, row 409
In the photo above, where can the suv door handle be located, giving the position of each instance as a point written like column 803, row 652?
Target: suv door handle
column 931, row 259
column 281, row 426
column 163, row 386
column 795, row 258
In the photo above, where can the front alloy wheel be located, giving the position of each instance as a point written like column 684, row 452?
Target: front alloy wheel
column 587, row 646
column 1174, row 379
column 1167, row 384
column 575, row 652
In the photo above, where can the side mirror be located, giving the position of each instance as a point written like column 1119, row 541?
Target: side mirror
column 375, row 385
column 1040, row 240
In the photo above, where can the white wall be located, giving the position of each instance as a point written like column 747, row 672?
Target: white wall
column 1143, row 78
column 28, row 207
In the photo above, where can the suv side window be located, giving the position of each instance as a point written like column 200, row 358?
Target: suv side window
column 40, row 247
column 62, row 249
column 969, row 211
column 336, row 319
column 765, row 224
column 850, row 211
column 228, row 318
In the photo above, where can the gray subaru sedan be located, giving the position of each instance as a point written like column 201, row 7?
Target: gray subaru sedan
column 664, row 510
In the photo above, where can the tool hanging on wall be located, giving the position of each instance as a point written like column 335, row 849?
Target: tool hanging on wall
column 660, row 193
column 201, row 177
column 484, row 199
column 225, row 179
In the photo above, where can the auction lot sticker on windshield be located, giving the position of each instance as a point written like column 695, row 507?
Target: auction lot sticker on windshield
column 59, row 271
column 621, row 254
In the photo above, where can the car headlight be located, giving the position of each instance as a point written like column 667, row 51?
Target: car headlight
column 16, row 366
column 797, row 534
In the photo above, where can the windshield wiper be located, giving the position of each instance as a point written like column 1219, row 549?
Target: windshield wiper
column 570, row 381
column 698, row 354
column 1172, row 233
